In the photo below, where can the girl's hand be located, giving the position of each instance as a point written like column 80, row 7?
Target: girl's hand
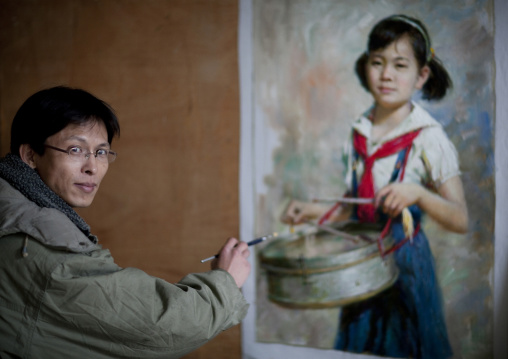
column 447, row 206
column 394, row 197
column 297, row 212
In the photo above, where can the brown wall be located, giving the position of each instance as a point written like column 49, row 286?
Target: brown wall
column 169, row 68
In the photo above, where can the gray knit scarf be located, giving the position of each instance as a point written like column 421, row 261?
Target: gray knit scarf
column 22, row 177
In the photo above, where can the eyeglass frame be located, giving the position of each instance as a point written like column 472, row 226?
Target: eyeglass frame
column 86, row 155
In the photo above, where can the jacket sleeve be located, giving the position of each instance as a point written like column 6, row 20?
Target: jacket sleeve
column 136, row 315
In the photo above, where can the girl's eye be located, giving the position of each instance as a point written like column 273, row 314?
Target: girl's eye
column 401, row 66
column 75, row 150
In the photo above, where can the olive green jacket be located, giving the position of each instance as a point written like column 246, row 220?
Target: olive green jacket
column 68, row 299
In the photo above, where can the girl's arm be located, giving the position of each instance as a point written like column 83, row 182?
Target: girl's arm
column 447, row 207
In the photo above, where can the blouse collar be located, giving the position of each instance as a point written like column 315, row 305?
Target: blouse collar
column 418, row 118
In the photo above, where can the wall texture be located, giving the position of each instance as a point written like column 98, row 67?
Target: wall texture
column 169, row 68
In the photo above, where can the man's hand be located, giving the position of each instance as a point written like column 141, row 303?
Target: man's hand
column 233, row 259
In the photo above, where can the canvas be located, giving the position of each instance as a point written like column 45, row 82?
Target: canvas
column 306, row 96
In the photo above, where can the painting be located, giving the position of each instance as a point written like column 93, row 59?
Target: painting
column 306, row 96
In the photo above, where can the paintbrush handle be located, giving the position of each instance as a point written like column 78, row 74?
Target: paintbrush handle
column 256, row 241
column 251, row 243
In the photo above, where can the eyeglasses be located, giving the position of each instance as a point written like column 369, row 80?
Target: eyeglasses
column 77, row 153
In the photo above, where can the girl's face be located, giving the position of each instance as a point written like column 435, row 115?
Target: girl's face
column 393, row 74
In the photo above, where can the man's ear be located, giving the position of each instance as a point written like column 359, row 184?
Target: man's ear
column 27, row 154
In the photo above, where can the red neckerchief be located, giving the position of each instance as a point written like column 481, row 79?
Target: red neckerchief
column 366, row 212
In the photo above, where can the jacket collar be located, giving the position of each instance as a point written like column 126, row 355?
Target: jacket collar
column 47, row 225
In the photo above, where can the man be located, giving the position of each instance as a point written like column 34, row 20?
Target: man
column 61, row 294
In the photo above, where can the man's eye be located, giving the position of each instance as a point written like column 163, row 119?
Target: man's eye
column 75, row 150
column 102, row 153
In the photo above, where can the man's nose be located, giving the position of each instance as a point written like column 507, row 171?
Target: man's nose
column 90, row 163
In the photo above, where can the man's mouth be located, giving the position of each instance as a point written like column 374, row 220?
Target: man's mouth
column 87, row 187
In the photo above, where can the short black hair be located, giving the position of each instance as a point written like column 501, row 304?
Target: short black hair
column 391, row 29
column 49, row 111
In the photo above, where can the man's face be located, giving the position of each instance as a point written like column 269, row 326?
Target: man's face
column 75, row 180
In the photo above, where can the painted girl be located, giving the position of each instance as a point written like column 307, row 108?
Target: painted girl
column 399, row 156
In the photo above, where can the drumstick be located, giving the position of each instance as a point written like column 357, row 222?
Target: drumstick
column 351, row 200
column 335, row 231
column 251, row 243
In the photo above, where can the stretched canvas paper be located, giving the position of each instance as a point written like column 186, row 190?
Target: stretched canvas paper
column 305, row 97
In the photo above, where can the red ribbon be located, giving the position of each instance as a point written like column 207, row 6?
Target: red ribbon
column 366, row 212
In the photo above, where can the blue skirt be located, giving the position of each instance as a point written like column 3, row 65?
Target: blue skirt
column 406, row 320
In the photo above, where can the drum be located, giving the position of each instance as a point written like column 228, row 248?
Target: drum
column 318, row 269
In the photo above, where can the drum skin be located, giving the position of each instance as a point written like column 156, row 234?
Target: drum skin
column 323, row 270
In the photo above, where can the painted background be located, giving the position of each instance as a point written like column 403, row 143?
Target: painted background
column 305, row 97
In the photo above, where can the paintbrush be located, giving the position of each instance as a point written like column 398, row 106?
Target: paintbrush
column 251, row 243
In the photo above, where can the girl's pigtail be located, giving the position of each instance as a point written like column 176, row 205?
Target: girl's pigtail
column 360, row 70
column 439, row 81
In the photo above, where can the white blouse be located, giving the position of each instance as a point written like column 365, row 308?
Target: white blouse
column 433, row 158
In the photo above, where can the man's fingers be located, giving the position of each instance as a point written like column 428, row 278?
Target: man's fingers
column 246, row 252
column 231, row 243
column 234, row 244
